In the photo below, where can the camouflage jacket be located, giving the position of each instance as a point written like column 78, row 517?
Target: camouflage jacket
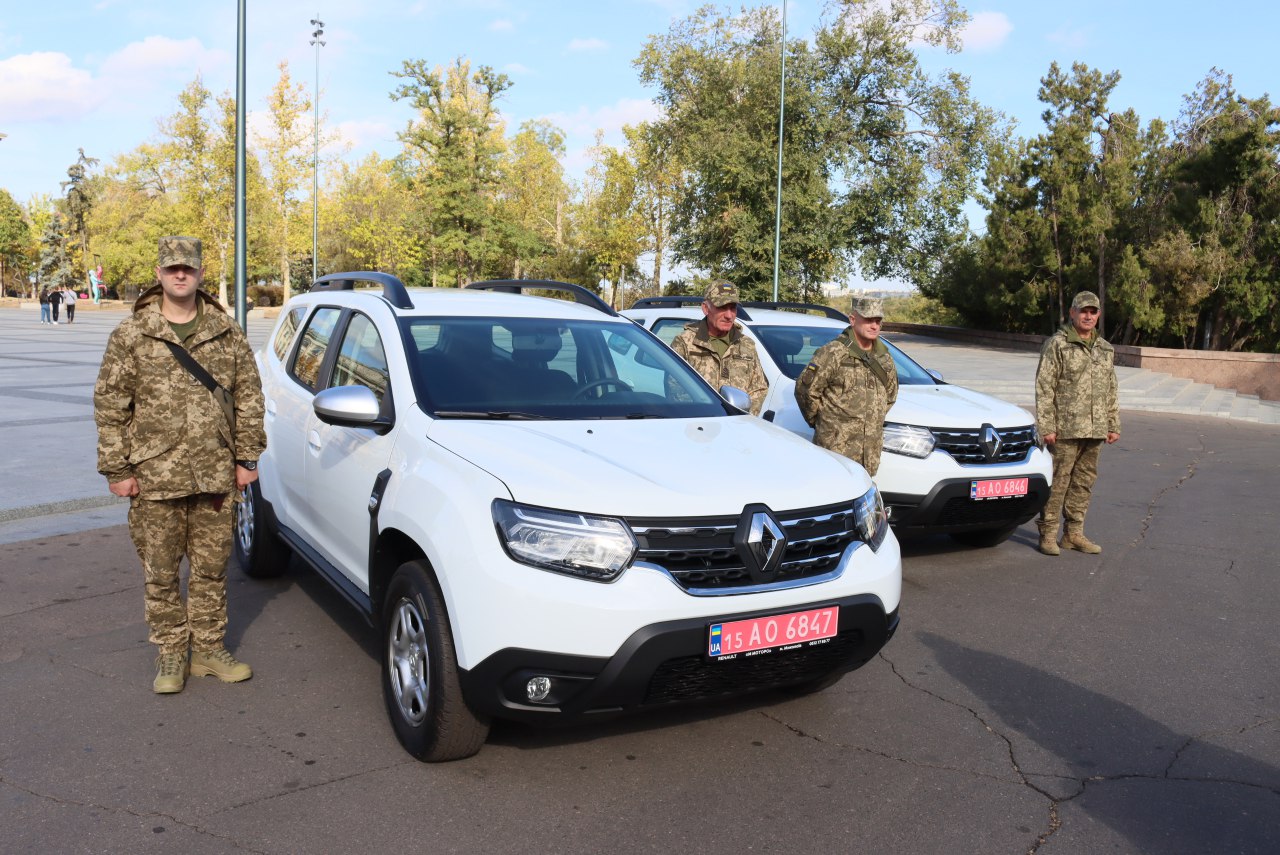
column 740, row 365
column 157, row 423
column 1077, row 394
column 844, row 401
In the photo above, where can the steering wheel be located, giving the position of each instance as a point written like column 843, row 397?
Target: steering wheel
column 599, row 384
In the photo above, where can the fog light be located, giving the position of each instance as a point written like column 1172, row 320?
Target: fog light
column 538, row 688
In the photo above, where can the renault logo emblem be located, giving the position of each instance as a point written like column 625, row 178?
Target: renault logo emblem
column 761, row 542
column 990, row 442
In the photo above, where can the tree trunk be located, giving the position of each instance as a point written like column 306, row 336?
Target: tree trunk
column 1102, row 284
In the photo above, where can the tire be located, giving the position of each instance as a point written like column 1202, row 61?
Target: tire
column 983, row 539
column 259, row 550
column 420, row 672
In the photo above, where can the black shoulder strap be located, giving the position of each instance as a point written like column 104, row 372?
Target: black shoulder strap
column 188, row 362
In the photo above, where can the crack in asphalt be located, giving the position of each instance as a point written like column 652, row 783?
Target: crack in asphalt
column 62, row 601
column 148, row 815
column 1192, row 468
column 302, row 789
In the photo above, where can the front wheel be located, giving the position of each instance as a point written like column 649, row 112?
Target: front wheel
column 420, row 672
column 983, row 539
column 259, row 550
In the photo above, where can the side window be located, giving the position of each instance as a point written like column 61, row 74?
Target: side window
column 315, row 341
column 668, row 328
column 361, row 360
column 635, row 366
column 284, row 336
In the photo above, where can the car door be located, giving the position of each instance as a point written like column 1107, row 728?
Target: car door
column 342, row 463
column 288, row 416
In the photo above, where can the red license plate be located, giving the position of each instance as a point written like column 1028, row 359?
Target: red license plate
column 998, row 488
column 727, row 640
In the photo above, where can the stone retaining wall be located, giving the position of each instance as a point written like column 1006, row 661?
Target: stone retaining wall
column 1246, row 373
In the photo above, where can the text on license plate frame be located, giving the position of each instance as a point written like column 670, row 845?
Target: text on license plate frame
column 999, row 488
column 755, row 635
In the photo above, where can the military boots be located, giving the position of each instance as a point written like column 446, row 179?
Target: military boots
column 1077, row 540
column 1049, row 538
column 219, row 663
column 171, row 673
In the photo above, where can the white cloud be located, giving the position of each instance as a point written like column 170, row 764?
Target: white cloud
column 44, row 86
column 361, row 134
column 587, row 45
column 584, row 122
column 515, row 68
column 502, row 25
column 160, row 55
column 1069, row 38
column 986, row 31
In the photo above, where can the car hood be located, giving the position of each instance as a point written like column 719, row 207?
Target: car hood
column 654, row 467
column 946, row 406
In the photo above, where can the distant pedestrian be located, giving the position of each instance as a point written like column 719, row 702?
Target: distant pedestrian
column 1077, row 409
column 55, row 300
column 848, row 387
column 69, row 300
column 45, row 317
column 166, row 443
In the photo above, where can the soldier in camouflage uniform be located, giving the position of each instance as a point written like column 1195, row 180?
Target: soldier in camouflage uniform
column 1077, row 409
column 717, row 349
column 166, row 444
column 848, row 387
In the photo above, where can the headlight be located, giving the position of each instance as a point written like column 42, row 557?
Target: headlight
column 869, row 518
column 597, row 548
column 908, row 439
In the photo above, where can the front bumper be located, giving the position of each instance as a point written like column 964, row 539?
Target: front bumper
column 947, row 507
column 666, row 663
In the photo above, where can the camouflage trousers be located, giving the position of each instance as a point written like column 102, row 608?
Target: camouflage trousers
column 1075, row 468
column 163, row 531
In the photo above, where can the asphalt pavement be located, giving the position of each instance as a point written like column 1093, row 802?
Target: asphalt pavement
column 1127, row 702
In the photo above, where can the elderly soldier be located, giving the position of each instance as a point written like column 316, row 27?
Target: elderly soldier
column 717, row 349
column 178, row 405
column 849, row 385
column 1077, row 407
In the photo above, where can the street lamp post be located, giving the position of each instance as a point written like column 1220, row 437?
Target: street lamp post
column 782, row 105
column 315, row 159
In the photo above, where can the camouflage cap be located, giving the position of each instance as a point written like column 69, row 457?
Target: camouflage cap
column 1086, row 298
column 869, row 307
column 176, row 251
column 722, row 294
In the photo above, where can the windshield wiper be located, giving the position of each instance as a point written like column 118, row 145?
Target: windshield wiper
column 489, row 414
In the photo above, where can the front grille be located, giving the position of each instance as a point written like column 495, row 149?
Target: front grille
column 693, row 678
column 962, row 510
column 966, row 445
column 699, row 553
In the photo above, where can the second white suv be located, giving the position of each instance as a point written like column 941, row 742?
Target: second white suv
column 956, row 460
column 546, row 514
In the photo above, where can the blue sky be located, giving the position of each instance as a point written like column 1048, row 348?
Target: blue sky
column 99, row 74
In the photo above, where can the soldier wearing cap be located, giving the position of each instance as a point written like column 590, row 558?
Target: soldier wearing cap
column 717, row 348
column 848, row 387
column 167, row 445
column 1077, row 409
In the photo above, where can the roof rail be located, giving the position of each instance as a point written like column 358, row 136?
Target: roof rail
column 393, row 289
column 686, row 300
column 835, row 314
column 582, row 296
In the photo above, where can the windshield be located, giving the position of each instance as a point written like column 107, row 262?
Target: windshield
column 538, row 368
column 792, row 347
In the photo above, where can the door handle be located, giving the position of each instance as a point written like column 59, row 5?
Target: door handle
column 313, row 440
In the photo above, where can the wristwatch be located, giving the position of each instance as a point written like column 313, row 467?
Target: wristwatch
column 247, row 464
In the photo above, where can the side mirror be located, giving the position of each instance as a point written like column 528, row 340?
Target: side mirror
column 936, row 375
column 736, row 398
column 349, row 406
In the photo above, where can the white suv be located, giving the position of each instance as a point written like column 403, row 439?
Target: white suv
column 534, row 535
column 957, row 461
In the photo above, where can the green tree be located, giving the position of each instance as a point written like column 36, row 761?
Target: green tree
column 15, row 242
column 612, row 232
column 370, row 220
column 534, row 200
column 55, row 260
column 878, row 157
column 453, row 157
column 78, row 202
column 287, row 157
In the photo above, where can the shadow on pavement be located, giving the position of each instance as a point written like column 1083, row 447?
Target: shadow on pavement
column 1126, row 763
